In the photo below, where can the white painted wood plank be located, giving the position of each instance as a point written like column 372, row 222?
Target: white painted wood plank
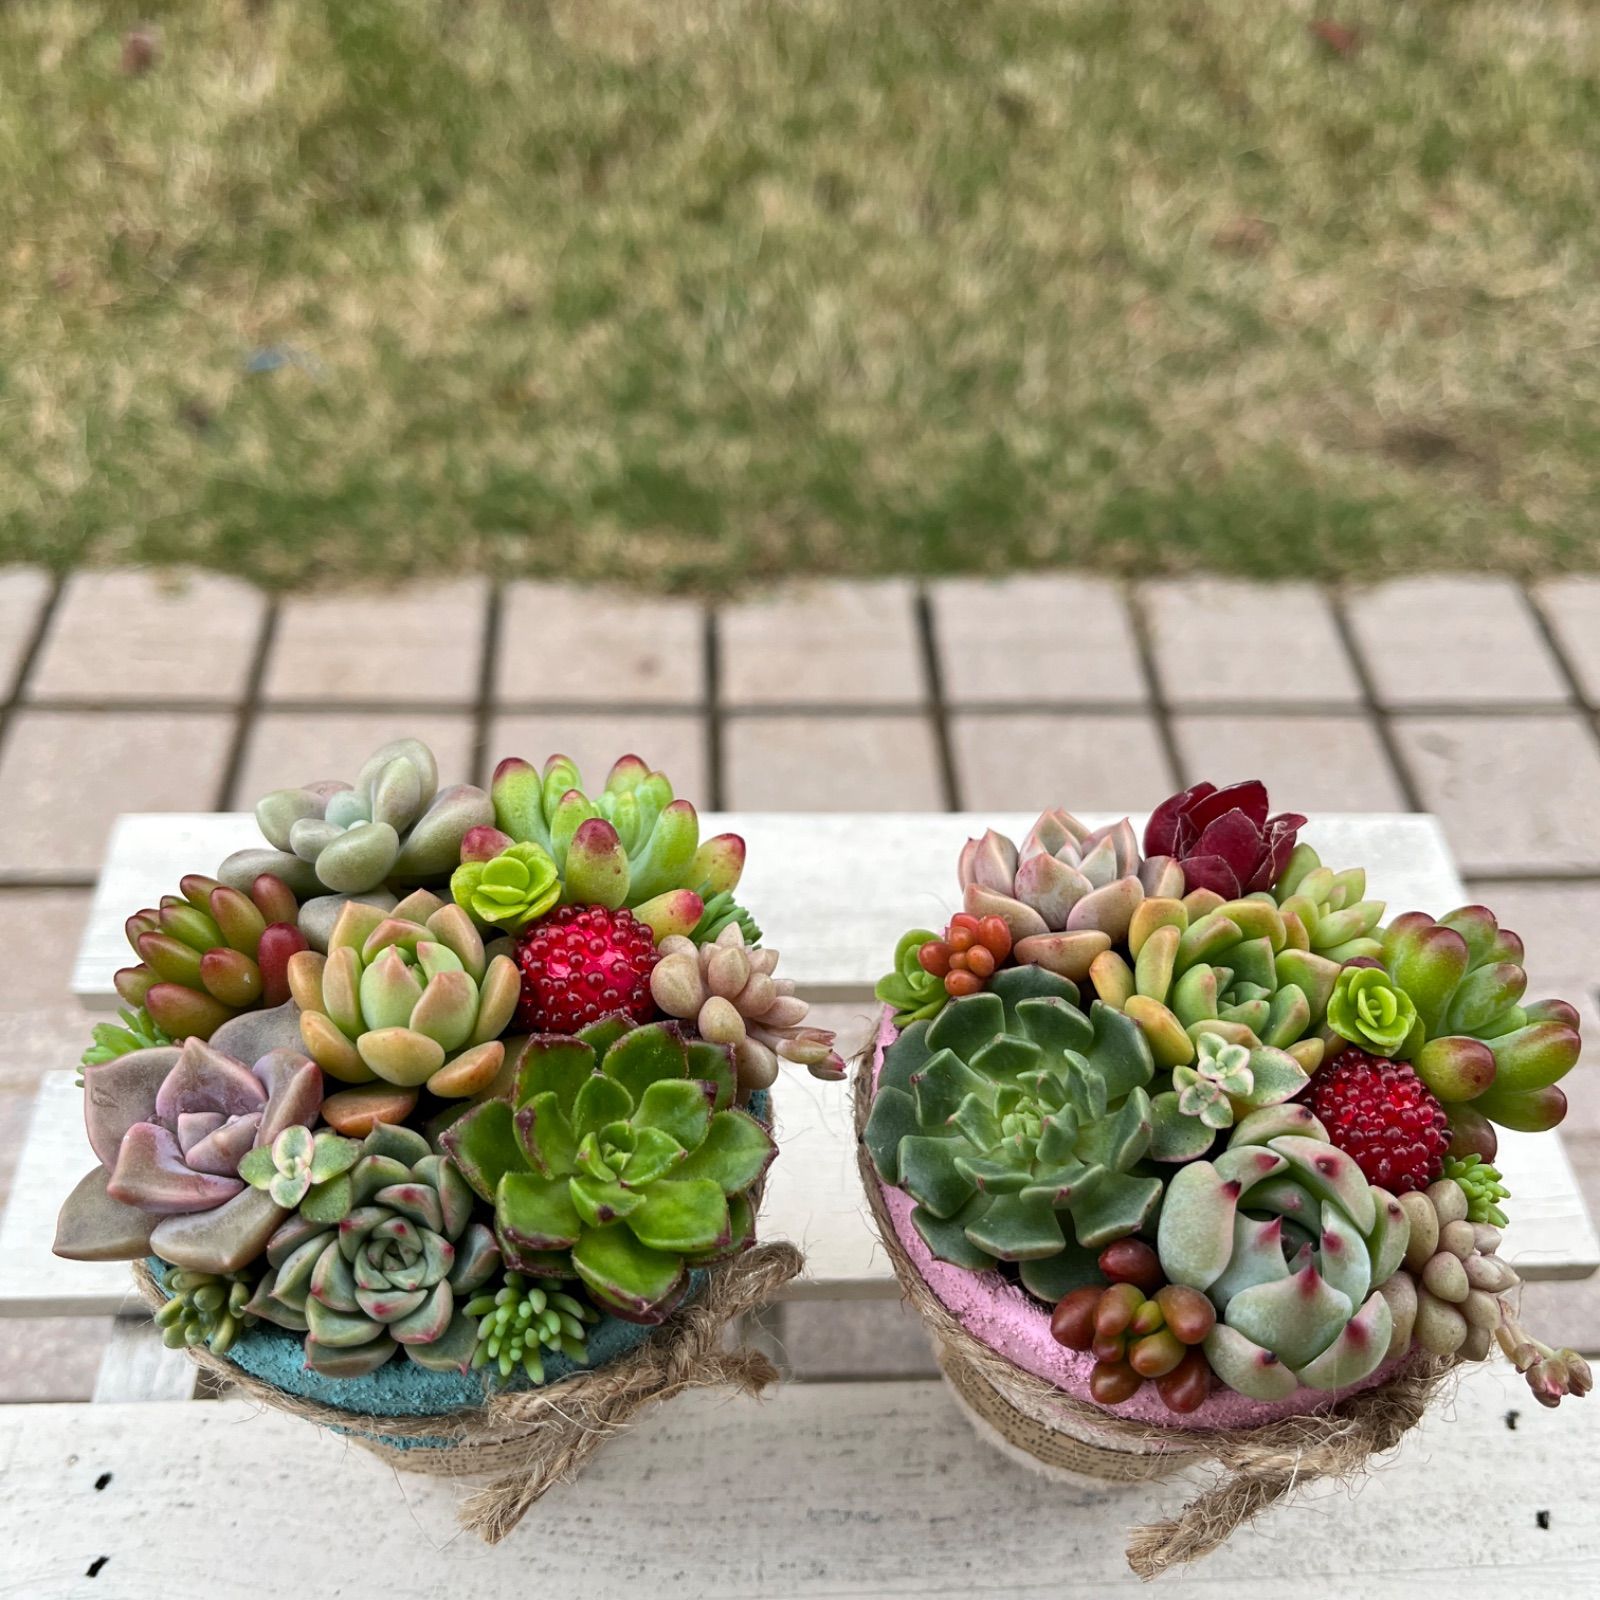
column 137, row 1367
column 826, row 1490
column 833, row 893
column 876, row 866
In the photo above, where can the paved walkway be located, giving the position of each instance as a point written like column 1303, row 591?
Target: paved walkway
column 1470, row 697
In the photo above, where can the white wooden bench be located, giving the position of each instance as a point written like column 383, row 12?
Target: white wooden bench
column 852, row 1488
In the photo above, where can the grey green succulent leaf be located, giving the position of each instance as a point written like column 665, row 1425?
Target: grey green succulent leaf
column 526, row 1319
column 1011, row 1115
column 394, row 823
column 393, row 1271
column 1292, row 1245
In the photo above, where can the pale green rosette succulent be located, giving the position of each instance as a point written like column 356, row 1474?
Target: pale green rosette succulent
column 507, row 890
column 915, row 993
column 1369, row 1009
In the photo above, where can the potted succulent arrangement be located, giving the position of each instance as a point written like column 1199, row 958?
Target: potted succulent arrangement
column 443, row 1117
column 1185, row 1154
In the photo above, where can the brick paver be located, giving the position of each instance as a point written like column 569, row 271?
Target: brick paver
column 1051, row 639
column 561, row 645
column 23, row 592
column 288, row 748
column 1454, row 641
column 843, row 763
column 673, row 743
column 1023, row 761
column 846, row 644
column 136, row 637
column 64, row 775
column 1515, row 794
column 1572, row 606
column 1223, row 643
column 1313, row 763
column 420, row 645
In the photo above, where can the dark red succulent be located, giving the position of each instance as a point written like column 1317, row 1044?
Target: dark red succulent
column 1223, row 838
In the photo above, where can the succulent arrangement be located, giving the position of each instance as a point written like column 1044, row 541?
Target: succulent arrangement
column 1227, row 1127
column 443, row 1072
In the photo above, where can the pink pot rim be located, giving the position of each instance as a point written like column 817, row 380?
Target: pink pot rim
column 1013, row 1324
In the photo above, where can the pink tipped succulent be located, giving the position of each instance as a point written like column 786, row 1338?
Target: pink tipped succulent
column 1223, row 838
column 1068, row 894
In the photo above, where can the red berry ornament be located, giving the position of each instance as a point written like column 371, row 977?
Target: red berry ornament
column 1381, row 1113
column 582, row 963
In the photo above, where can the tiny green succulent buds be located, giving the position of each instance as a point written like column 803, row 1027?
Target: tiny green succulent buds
column 408, row 996
column 1368, row 1009
column 507, row 889
column 1481, row 1183
column 299, row 1162
column 1011, row 1115
column 211, row 952
column 524, row 1320
column 393, row 1270
column 138, row 1031
column 718, row 911
column 204, row 1308
column 617, row 1160
column 632, row 845
column 916, row 994
column 393, row 824
column 1220, row 1075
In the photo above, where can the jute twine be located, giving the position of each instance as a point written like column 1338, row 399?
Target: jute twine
column 531, row 1440
column 1032, row 1418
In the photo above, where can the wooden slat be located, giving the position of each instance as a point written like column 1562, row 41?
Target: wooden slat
column 833, row 893
column 138, row 1367
column 826, row 1490
column 835, row 871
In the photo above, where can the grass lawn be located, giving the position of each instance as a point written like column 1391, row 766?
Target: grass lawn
column 690, row 292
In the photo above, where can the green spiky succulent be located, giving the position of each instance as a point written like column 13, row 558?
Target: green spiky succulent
column 632, row 845
column 915, row 993
column 137, row 1031
column 1229, row 968
column 1338, row 921
column 617, row 1159
column 1011, row 1114
column 1487, row 1056
column 390, row 1266
column 1292, row 1244
column 1482, row 1185
column 204, row 1308
column 523, row 1321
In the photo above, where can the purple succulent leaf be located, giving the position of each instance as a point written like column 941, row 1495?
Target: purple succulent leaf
column 120, row 1092
column 94, row 1227
column 1050, row 887
column 195, row 1126
column 203, row 1079
column 294, row 1091
column 221, row 1151
column 151, row 1174
column 1235, row 838
column 1162, row 832
column 1281, row 833
column 989, row 862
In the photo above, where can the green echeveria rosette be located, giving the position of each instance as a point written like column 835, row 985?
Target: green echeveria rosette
column 915, row 993
column 617, row 1159
column 1369, row 1009
column 507, row 889
column 1019, row 1125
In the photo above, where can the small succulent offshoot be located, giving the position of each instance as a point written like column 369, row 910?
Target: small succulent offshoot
column 1139, row 1328
column 526, row 1319
column 204, row 1308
